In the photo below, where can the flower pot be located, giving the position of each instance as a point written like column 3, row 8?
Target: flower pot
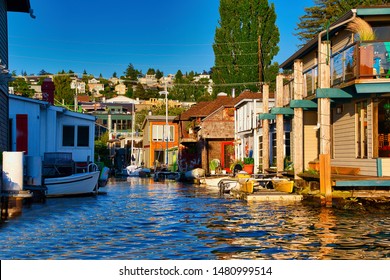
column 248, row 168
column 212, row 172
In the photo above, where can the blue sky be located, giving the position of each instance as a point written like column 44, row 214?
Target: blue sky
column 103, row 37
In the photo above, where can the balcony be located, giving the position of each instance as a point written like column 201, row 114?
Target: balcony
column 363, row 64
column 361, row 61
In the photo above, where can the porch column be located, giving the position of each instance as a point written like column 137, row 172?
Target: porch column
column 255, row 147
column 324, row 121
column 266, row 149
column 279, row 125
column 298, row 119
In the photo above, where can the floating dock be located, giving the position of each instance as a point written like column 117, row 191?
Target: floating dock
column 267, row 195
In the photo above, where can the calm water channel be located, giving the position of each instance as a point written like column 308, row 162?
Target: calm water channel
column 142, row 219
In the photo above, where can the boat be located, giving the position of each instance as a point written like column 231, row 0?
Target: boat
column 75, row 184
column 136, row 171
column 195, row 173
column 283, row 185
column 223, row 184
column 163, row 175
column 228, row 184
column 213, row 181
column 103, row 176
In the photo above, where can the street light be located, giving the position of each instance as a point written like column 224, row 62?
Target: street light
column 165, row 92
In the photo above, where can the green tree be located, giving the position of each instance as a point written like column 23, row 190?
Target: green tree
column 236, row 44
column 63, row 90
column 140, row 92
column 131, row 73
column 21, row 87
column 326, row 12
column 159, row 74
column 151, row 71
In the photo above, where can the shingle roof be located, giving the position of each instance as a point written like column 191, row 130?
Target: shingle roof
column 205, row 108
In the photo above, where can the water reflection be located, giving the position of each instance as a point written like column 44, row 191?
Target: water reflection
column 141, row 219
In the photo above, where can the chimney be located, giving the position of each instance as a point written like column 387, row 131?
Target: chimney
column 233, row 92
column 47, row 89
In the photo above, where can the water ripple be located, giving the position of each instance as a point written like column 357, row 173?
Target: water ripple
column 141, row 219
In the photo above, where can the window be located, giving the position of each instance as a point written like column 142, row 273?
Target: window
column 69, row 136
column 158, row 133
column 361, row 124
column 82, row 136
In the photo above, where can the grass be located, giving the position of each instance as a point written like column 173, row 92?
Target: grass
column 362, row 28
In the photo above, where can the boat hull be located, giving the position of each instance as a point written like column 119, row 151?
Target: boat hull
column 195, row 173
column 75, row 184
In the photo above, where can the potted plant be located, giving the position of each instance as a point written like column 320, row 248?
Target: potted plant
column 214, row 163
column 236, row 165
column 249, row 163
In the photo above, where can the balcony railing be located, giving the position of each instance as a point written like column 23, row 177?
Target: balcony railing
column 362, row 60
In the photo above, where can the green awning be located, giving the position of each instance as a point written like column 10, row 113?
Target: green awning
column 372, row 11
column 373, row 87
column 267, row 116
column 282, row 111
column 331, row 93
column 302, row 104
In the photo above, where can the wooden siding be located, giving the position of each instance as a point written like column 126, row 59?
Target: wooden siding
column 4, row 131
column 309, row 61
column 367, row 166
column 341, row 41
column 310, row 138
column 385, row 166
column 344, row 141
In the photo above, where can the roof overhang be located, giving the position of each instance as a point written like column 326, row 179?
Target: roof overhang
column 267, row 116
column 332, row 93
column 303, row 104
column 282, row 111
column 22, row 6
column 373, row 87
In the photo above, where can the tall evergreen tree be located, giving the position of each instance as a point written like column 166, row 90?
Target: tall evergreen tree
column 326, row 12
column 63, row 90
column 239, row 58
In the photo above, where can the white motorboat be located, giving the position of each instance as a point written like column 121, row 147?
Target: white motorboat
column 75, row 184
column 222, row 184
column 212, row 181
column 136, row 171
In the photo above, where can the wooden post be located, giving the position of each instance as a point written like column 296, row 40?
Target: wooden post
column 324, row 120
column 325, row 182
column 266, row 149
column 298, row 119
column 279, row 125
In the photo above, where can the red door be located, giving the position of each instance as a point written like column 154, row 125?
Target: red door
column 227, row 158
column 22, row 133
